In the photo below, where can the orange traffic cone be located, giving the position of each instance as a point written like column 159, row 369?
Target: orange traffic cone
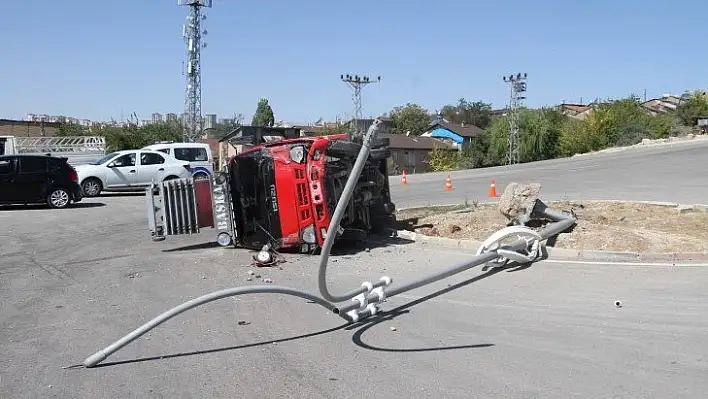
column 448, row 183
column 492, row 190
column 404, row 181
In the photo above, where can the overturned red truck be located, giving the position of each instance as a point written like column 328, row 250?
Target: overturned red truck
column 280, row 192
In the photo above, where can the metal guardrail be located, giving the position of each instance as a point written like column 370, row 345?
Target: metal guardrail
column 61, row 145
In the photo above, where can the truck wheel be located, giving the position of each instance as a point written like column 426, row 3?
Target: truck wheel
column 91, row 187
column 381, row 142
column 380, row 154
column 343, row 149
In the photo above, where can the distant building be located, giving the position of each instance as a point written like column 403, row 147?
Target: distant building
column 11, row 127
column 209, row 121
column 172, row 118
column 156, row 117
column 412, row 153
column 452, row 133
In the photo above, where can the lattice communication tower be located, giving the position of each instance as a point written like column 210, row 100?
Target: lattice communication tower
column 517, row 84
column 193, row 34
column 357, row 83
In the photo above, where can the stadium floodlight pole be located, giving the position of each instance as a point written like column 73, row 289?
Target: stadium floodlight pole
column 192, row 34
column 517, row 87
column 357, row 83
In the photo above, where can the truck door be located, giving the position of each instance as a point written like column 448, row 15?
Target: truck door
column 7, row 175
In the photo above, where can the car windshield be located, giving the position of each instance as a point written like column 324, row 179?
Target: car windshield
column 105, row 159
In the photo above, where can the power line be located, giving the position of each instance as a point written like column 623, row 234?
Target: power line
column 357, row 83
column 192, row 34
column 517, row 86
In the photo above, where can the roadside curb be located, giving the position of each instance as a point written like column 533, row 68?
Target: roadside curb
column 575, row 254
column 648, row 143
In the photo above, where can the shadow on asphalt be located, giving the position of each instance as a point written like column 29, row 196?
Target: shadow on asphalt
column 44, row 207
column 339, row 249
column 122, row 194
column 359, row 328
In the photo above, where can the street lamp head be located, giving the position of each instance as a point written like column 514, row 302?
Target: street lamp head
column 379, row 78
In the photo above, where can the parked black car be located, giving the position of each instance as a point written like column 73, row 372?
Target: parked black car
column 32, row 179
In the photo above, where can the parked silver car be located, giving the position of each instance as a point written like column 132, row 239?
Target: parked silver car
column 130, row 170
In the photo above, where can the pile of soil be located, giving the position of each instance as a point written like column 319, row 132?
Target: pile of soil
column 604, row 226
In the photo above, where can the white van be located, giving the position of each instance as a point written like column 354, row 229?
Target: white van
column 199, row 156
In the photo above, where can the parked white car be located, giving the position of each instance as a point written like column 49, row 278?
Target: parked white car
column 199, row 156
column 130, row 170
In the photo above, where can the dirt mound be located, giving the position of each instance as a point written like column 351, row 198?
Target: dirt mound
column 604, row 226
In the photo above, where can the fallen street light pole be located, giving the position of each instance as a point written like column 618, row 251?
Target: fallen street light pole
column 562, row 223
column 364, row 301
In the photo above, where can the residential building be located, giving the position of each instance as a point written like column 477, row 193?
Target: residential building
column 172, row 118
column 662, row 106
column 412, row 153
column 156, row 117
column 453, row 134
column 577, row 111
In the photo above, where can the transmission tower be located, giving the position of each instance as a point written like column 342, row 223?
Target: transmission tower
column 357, row 83
column 517, row 86
column 192, row 33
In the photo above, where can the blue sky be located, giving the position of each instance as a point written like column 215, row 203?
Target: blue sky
column 100, row 59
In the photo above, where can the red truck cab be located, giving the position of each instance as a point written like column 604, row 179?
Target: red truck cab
column 284, row 192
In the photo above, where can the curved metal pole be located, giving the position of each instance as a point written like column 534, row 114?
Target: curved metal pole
column 339, row 210
column 101, row 355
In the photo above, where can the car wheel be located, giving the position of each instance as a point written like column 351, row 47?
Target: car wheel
column 58, row 198
column 91, row 187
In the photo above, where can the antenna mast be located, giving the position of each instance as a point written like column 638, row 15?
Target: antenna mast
column 192, row 34
column 357, row 83
column 517, row 86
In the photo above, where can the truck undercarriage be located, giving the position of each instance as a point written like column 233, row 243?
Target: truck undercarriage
column 280, row 194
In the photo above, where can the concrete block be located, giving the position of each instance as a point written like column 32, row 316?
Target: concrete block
column 518, row 200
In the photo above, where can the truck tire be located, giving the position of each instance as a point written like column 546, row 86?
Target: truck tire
column 381, row 142
column 343, row 149
column 380, row 154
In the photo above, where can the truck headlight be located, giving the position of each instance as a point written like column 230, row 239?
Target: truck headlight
column 297, row 154
column 308, row 234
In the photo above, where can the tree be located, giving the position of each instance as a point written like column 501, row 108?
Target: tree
column 410, row 118
column 69, row 129
column 477, row 113
column 694, row 107
column 264, row 114
column 540, row 132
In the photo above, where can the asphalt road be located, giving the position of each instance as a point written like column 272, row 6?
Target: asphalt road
column 675, row 173
column 73, row 281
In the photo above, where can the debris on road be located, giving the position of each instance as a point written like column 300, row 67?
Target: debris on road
column 602, row 225
column 518, row 200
